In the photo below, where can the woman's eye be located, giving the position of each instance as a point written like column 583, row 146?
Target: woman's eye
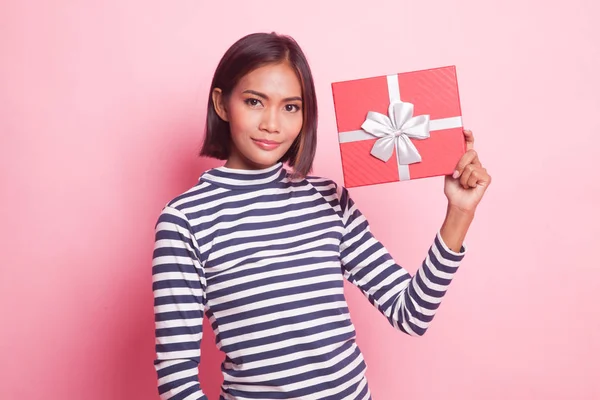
column 292, row 108
column 252, row 102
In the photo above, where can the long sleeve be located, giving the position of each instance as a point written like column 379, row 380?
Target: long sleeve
column 179, row 286
column 409, row 303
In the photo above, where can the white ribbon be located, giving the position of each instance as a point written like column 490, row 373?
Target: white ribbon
column 396, row 130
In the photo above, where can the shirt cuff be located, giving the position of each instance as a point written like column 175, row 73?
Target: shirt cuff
column 449, row 253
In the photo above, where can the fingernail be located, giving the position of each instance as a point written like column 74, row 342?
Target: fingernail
column 455, row 174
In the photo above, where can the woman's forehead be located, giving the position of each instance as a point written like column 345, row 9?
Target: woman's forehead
column 272, row 80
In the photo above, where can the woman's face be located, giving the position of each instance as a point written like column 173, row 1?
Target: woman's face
column 264, row 113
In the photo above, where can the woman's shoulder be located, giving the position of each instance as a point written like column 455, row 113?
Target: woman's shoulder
column 326, row 185
column 187, row 200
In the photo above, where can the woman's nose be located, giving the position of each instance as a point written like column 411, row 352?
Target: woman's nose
column 270, row 121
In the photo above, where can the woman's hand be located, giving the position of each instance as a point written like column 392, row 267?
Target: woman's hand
column 467, row 186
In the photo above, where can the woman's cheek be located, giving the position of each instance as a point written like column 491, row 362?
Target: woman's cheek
column 294, row 125
column 242, row 122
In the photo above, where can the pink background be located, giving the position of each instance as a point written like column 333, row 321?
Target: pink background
column 101, row 115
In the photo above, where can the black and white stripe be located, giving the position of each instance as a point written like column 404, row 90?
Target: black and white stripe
column 264, row 257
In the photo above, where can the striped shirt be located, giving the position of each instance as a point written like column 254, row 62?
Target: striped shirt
column 264, row 257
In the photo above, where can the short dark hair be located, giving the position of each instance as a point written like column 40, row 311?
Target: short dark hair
column 247, row 54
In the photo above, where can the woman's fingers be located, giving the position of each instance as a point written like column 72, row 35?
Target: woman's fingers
column 470, row 157
column 466, row 175
column 469, row 138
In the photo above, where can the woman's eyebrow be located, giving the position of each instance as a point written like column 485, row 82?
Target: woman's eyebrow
column 264, row 96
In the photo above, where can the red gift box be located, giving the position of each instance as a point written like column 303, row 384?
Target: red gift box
column 399, row 127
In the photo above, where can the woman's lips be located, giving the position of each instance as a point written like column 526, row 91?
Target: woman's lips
column 266, row 144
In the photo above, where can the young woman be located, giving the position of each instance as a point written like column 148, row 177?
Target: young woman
column 263, row 252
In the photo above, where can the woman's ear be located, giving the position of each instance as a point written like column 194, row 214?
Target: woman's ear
column 219, row 104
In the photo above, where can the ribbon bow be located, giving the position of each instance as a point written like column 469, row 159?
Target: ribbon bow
column 396, row 130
